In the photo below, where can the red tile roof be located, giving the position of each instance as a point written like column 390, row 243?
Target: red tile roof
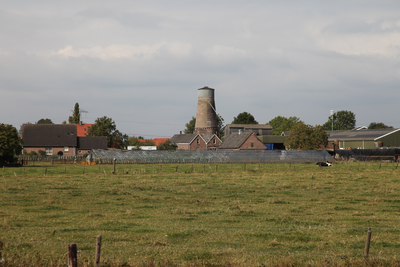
column 81, row 130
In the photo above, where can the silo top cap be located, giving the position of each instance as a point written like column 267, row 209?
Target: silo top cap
column 206, row 92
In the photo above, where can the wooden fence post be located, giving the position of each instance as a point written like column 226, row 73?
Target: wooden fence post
column 367, row 243
column 72, row 256
column 114, row 165
column 98, row 247
column 1, row 249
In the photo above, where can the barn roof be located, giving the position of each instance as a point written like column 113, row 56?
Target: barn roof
column 360, row 134
column 183, row 138
column 235, row 140
column 92, row 142
column 49, row 135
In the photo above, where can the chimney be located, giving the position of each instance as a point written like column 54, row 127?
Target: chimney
column 81, row 123
column 206, row 116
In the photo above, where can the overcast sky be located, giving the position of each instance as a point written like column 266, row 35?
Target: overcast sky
column 141, row 62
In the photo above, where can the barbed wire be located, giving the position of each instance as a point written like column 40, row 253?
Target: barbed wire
column 206, row 228
column 126, row 259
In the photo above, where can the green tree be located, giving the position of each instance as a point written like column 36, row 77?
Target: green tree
column 307, row 137
column 106, row 127
column 190, row 126
column 378, row 125
column 221, row 124
column 167, row 145
column 76, row 116
column 280, row 124
column 10, row 144
column 244, row 118
column 44, row 121
column 342, row 120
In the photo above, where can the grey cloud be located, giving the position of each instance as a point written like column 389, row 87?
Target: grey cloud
column 355, row 26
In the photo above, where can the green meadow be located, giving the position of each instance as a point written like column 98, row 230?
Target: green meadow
column 201, row 215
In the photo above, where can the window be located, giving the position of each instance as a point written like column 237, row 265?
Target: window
column 252, row 144
column 66, row 149
column 215, row 141
column 80, row 152
column 48, row 150
column 198, row 141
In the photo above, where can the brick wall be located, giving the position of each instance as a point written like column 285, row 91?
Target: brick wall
column 71, row 150
column 256, row 143
column 201, row 146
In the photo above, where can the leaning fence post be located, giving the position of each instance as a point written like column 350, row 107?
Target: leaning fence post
column 98, row 246
column 72, row 256
column 367, row 242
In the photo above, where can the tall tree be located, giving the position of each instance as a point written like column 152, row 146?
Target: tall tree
column 378, row 125
column 342, row 120
column 10, row 143
column 307, row 137
column 221, row 124
column 76, row 116
column 106, row 127
column 244, row 118
column 44, row 121
column 280, row 124
column 190, row 126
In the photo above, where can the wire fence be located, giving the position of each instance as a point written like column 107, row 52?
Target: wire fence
column 129, row 248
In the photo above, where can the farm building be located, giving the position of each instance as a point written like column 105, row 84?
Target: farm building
column 257, row 129
column 196, row 141
column 59, row 139
column 366, row 139
column 242, row 141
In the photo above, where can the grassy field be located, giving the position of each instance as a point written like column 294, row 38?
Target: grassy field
column 201, row 215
